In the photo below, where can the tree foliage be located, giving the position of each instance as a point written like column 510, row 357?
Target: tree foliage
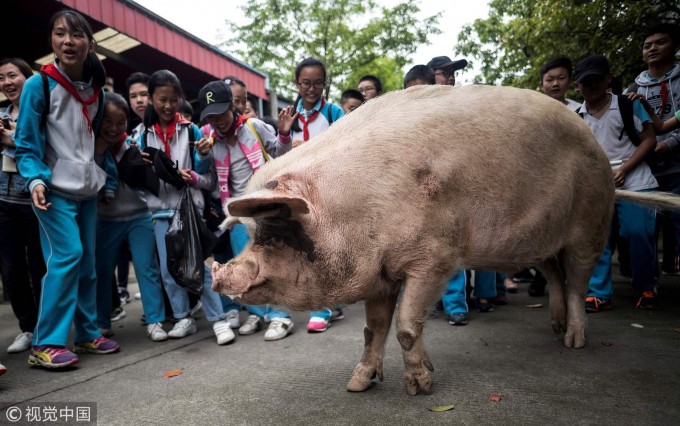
column 519, row 36
column 347, row 35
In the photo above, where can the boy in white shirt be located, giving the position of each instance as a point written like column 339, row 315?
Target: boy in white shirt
column 602, row 112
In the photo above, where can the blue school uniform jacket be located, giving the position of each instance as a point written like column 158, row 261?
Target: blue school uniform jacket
column 60, row 154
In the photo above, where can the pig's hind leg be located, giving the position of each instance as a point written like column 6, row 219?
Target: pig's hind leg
column 379, row 312
column 578, row 270
column 558, row 305
column 417, row 297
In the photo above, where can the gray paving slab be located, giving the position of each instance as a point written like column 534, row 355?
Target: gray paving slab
column 624, row 376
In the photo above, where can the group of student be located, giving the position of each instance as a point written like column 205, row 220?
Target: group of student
column 637, row 132
column 73, row 205
column 82, row 198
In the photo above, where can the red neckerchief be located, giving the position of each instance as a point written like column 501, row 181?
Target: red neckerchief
column 53, row 72
column 306, row 121
column 116, row 148
column 232, row 130
column 166, row 136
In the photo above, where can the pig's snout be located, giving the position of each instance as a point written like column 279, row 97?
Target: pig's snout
column 234, row 277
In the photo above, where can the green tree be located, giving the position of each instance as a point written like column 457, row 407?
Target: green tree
column 519, row 36
column 346, row 35
column 386, row 69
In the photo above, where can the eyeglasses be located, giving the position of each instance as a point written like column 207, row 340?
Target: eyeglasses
column 365, row 90
column 319, row 84
column 446, row 74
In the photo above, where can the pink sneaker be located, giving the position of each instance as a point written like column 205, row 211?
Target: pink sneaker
column 318, row 324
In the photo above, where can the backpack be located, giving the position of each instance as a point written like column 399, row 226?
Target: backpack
column 627, row 116
column 96, row 123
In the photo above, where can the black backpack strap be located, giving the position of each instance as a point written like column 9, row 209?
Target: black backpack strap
column 626, row 110
column 97, row 122
column 192, row 135
column 192, row 139
column 330, row 114
column 46, row 92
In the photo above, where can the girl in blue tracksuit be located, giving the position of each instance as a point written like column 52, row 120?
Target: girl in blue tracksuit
column 167, row 130
column 126, row 219
column 315, row 115
column 55, row 153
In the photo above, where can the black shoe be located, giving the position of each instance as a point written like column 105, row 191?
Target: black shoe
column 537, row 287
column 647, row 301
column 499, row 300
column 458, row 319
column 485, row 306
column 596, row 304
column 124, row 297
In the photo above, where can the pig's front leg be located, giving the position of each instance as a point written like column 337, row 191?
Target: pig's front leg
column 416, row 299
column 378, row 321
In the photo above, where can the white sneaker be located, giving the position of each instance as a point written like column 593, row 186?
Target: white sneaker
column 252, row 325
column 21, row 343
column 156, row 332
column 223, row 332
column 278, row 329
column 138, row 296
column 233, row 318
column 183, row 328
column 197, row 307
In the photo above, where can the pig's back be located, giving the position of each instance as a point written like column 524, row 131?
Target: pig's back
column 474, row 166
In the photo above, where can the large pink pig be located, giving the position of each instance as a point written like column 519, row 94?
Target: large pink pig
column 412, row 186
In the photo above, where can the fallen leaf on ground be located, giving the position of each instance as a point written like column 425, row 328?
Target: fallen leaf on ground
column 606, row 343
column 536, row 305
column 441, row 408
column 636, row 325
column 494, row 397
column 172, row 373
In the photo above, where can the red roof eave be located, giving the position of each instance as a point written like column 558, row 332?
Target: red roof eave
column 153, row 33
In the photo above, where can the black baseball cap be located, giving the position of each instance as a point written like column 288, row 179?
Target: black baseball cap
column 444, row 62
column 214, row 98
column 592, row 65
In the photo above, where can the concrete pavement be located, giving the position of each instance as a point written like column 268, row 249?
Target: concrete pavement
column 626, row 375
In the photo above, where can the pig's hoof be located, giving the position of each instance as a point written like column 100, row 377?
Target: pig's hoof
column 361, row 378
column 575, row 339
column 558, row 319
column 418, row 381
column 558, row 327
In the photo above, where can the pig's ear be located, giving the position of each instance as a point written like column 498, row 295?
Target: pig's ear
column 268, row 203
column 228, row 222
